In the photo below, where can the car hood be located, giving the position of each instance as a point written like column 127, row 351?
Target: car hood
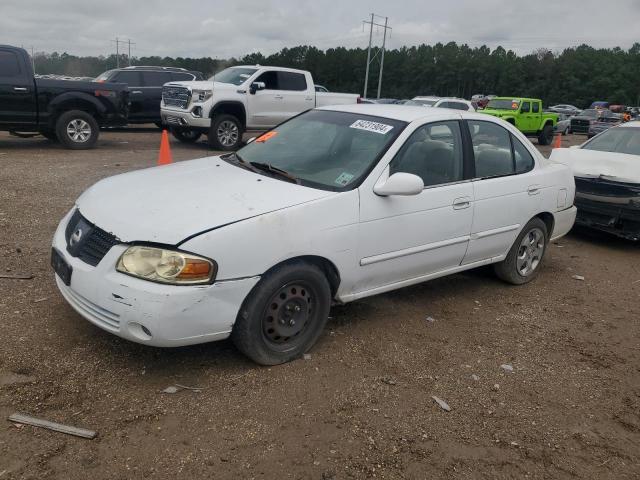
column 171, row 203
column 618, row 167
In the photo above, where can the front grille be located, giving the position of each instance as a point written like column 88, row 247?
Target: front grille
column 86, row 241
column 580, row 126
column 173, row 96
column 171, row 120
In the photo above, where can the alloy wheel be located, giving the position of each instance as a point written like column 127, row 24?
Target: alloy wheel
column 530, row 252
column 78, row 130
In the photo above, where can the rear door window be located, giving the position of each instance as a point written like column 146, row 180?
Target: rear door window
column 155, row 79
column 491, row 149
column 292, row 81
column 535, row 107
column 131, row 78
column 9, row 64
column 182, row 77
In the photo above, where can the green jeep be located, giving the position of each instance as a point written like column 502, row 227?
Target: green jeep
column 526, row 114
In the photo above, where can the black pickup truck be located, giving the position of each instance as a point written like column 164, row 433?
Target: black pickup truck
column 68, row 111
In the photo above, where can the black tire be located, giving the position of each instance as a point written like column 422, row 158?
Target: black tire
column 546, row 135
column 77, row 130
column 510, row 269
column 225, row 133
column 284, row 315
column 50, row 135
column 186, row 135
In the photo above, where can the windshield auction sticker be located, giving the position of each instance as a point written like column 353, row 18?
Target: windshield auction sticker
column 372, row 126
column 344, row 178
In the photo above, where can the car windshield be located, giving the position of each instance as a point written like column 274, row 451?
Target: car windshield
column 233, row 75
column 103, row 77
column 426, row 103
column 503, row 104
column 323, row 149
column 617, row 140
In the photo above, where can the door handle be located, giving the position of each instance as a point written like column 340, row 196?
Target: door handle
column 20, row 89
column 308, row 99
column 278, row 97
column 461, row 203
column 533, row 189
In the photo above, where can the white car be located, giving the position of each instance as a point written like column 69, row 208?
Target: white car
column 445, row 102
column 607, row 176
column 335, row 205
column 240, row 99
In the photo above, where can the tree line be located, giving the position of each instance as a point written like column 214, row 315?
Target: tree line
column 577, row 75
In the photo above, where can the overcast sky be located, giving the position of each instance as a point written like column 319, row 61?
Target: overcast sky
column 194, row 28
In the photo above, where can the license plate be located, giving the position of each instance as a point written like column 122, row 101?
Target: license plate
column 61, row 267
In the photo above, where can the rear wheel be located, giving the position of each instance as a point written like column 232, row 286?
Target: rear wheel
column 284, row 315
column 77, row 130
column 546, row 135
column 225, row 133
column 523, row 261
column 186, row 135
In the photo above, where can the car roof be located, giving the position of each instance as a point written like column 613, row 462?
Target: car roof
column 405, row 113
column 517, row 98
column 283, row 69
column 426, row 97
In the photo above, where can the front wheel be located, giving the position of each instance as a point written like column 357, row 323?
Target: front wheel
column 225, row 133
column 77, row 130
column 185, row 136
column 546, row 135
column 284, row 314
column 523, row 261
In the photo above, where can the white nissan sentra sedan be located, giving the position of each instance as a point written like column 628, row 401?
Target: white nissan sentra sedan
column 334, row 205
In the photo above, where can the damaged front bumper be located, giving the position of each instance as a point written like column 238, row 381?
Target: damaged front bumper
column 613, row 207
column 145, row 312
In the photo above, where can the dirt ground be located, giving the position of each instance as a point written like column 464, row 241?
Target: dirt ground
column 361, row 406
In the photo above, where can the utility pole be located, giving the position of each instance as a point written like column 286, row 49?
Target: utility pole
column 33, row 60
column 384, row 42
column 127, row 42
column 371, row 23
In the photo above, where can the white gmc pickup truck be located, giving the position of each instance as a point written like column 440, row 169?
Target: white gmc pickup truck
column 239, row 99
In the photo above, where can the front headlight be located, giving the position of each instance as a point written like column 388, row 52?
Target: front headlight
column 166, row 266
column 201, row 95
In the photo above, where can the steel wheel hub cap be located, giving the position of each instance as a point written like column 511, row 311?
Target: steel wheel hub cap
column 530, row 252
column 78, row 130
column 288, row 313
column 228, row 133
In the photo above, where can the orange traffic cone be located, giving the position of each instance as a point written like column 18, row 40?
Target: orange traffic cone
column 164, row 158
column 558, row 143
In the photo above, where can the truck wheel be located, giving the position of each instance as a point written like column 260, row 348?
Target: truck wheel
column 522, row 263
column 77, row 130
column 225, row 133
column 546, row 135
column 185, row 136
column 284, row 315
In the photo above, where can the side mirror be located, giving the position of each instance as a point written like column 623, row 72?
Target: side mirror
column 400, row 184
column 255, row 86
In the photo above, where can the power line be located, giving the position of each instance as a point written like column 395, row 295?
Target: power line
column 127, row 42
column 380, row 51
